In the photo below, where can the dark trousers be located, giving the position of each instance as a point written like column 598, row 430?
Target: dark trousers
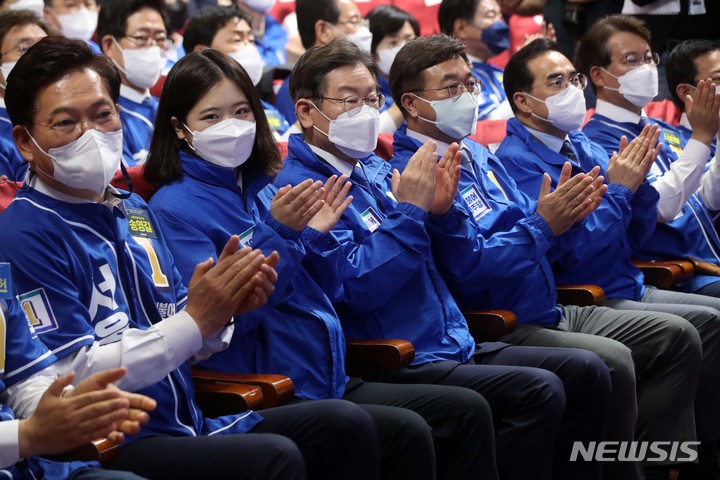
column 529, row 405
column 461, row 426
column 328, row 439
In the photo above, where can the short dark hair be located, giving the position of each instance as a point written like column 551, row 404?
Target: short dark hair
column 680, row 66
column 308, row 76
column 593, row 49
column 386, row 20
column 204, row 25
column 45, row 63
column 451, row 10
column 113, row 16
column 188, row 81
column 517, row 76
column 418, row 55
column 18, row 18
column 309, row 12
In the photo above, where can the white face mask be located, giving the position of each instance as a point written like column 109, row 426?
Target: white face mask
column 33, row 5
column 639, row 86
column 362, row 38
column 260, row 5
column 250, row 59
column 566, row 110
column 6, row 68
column 143, row 66
column 80, row 25
column 386, row 57
column 456, row 117
column 88, row 163
column 226, row 144
column 354, row 133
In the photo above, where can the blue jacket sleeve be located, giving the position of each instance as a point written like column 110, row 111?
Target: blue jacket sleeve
column 373, row 269
column 497, row 257
column 644, row 215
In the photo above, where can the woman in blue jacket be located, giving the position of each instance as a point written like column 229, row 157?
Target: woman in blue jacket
column 214, row 157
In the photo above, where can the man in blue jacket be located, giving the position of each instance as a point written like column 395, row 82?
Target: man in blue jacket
column 687, row 64
column 377, row 267
column 615, row 54
column 38, row 416
column 98, row 284
column 133, row 35
column 512, row 243
column 546, row 94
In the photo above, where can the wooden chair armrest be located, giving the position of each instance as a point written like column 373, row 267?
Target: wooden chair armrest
column 276, row 389
column 704, row 268
column 665, row 273
column 101, row 450
column 218, row 399
column 582, row 295
column 487, row 325
column 367, row 359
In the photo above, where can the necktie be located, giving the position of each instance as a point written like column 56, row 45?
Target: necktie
column 567, row 150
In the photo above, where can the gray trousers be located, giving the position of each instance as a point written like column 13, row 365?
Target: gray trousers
column 659, row 349
column 704, row 313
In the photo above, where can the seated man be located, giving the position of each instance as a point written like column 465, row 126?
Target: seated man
column 688, row 64
column 269, row 36
column 507, row 263
column 376, row 266
column 74, row 19
column 19, row 30
column 615, row 54
column 319, row 22
column 479, row 24
column 546, row 94
column 100, row 287
column 228, row 30
column 39, row 416
column 133, row 34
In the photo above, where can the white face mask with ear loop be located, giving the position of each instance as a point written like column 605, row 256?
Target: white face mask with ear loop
column 143, row 66
column 249, row 58
column 227, row 144
column 566, row 109
column 35, row 6
column 639, row 86
column 456, row 116
column 354, row 133
column 79, row 25
column 87, row 163
column 362, row 38
column 386, row 57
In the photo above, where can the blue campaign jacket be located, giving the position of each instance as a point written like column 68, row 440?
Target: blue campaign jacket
column 602, row 253
column 692, row 233
column 498, row 260
column 685, row 134
column 386, row 284
column 384, row 88
column 272, row 46
column 21, row 356
column 492, row 93
column 298, row 334
column 137, row 124
column 11, row 162
column 86, row 273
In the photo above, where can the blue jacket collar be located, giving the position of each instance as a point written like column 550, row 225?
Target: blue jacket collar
column 205, row 172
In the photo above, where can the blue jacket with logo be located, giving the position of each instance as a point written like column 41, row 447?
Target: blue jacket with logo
column 498, row 256
column 86, row 273
column 692, row 233
column 137, row 124
column 602, row 253
column 298, row 333
column 378, row 257
column 272, row 46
